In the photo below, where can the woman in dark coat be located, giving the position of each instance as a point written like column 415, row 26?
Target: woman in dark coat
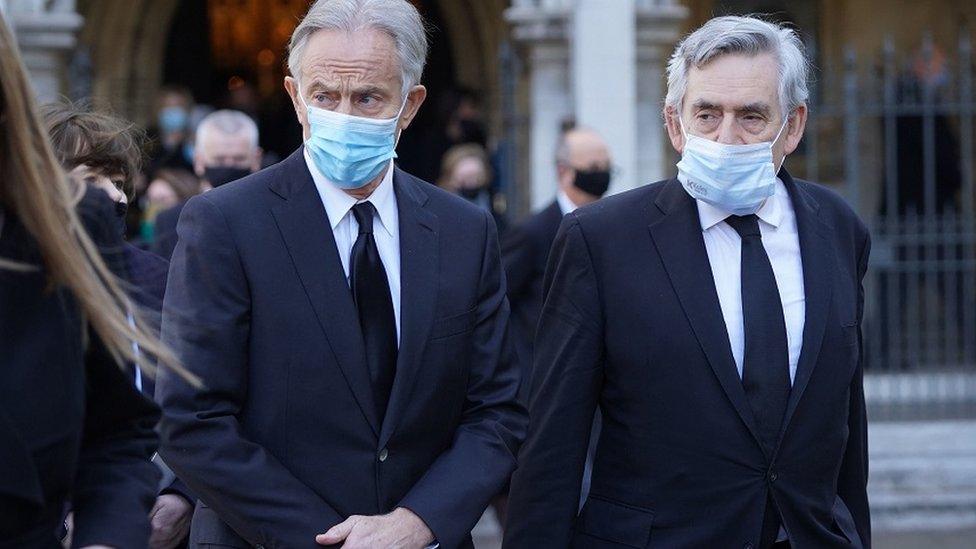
column 72, row 427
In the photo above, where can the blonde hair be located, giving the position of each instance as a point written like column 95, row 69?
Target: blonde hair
column 35, row 190
column 457, row 153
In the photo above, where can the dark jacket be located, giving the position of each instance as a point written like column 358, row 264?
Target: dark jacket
column 72, row 426
column 525, row 250
column 632, row 321
column 284, row 440
column 164, row 231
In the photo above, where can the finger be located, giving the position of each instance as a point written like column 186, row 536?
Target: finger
column 337, row 533
column 155, row 508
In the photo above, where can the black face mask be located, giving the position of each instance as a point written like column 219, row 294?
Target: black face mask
column 121, row 208
column 471, row 193
column 221, row 175
column 473, row 131
column 593, row 182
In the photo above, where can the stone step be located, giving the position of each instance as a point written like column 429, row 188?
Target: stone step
column 922, row 475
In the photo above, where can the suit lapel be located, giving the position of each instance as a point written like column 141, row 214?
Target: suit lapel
column 418, row 292
column 819, row 265
column 305, row 228
column 677, row 235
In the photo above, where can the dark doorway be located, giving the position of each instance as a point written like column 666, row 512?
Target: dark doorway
column 210, row 57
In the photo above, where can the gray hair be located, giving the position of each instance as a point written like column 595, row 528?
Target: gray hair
column 397, row 18
column 228, row 122
column 741, row 35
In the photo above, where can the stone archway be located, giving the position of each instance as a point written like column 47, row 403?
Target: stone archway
column 127, row 40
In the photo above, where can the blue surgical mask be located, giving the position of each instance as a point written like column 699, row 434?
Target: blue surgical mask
column 734, row 178
column 173, row 119
column 350, row 151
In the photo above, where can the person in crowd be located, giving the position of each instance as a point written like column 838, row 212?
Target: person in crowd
column 465, row 119
column 466, row 172
column 169, row 189
column 347, row 320
column 226, row 150
column 72, row 426
column 583, row 169
column 715, row 318
column 105, row 152
column 172, row 144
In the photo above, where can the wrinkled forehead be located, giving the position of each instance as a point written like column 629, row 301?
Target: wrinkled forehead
column 364, row 56
column 735, row 82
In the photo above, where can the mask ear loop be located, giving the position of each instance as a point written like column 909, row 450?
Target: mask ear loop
column 681, row 124
column 399, row 114
column 775, row 139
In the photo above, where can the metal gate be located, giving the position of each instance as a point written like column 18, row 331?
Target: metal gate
column 895, row 135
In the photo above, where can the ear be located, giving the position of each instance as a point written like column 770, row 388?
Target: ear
column 794, row 129
column 291, row 86
column 199, row 165
column 256, row 160
column 564, row 174
column 674, row 129
column 415, row 98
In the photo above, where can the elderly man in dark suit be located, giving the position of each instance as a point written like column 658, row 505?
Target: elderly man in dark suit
column 715, row 319
column 584, row 171
column 348, row 321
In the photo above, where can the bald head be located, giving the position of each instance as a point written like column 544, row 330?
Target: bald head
column 580, row 150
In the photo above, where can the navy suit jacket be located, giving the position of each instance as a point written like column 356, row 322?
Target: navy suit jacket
column 525, row 250
column 632, row 322
column 283, row 440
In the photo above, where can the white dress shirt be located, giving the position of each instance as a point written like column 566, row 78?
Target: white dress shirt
column 386, row 226
column 777, row 223
column 565, row 204
column 338, row 206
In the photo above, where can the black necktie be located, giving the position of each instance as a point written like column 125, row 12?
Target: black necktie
column 766, row 361
column 371, row 292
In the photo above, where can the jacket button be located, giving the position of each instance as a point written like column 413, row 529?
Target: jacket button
column 747, row 546
column 772, row 476
column 384, row 453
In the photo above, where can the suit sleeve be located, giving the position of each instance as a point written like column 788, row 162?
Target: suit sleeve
column 206, row 320
column 455, row 491
column 566, row 383
column 115, row 483
column 853, row 478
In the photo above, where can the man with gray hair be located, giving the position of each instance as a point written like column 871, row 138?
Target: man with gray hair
column 715, row 317
column 226, row 150
column 348, row 322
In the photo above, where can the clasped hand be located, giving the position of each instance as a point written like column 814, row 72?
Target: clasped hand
column 401, row 529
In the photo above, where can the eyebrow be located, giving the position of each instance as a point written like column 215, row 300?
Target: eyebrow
column 754, row 108
column 320, row 86
column 369, row 90
column 750, row 108
column 703, row 105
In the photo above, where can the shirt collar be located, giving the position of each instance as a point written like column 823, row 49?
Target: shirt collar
column 338, row 203
column 565, row 204
column 771, row 212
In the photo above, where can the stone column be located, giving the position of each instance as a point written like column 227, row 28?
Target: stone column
column 540, row 28
column 605, row 76
column 46, row 32
column 658, row 30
